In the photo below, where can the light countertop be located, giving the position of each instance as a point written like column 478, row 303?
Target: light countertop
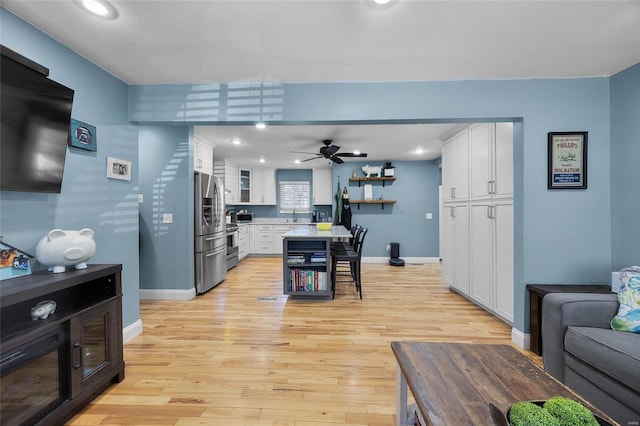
column 311, row 231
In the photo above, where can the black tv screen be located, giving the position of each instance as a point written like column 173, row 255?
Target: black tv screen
column 35, row 119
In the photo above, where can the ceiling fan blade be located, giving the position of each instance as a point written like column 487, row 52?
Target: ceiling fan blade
column 330, row 150
column 336, row 160
column 302, row 152
column 351, row 154
column 312, row 158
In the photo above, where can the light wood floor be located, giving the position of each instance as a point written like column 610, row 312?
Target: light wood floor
column 243, row 354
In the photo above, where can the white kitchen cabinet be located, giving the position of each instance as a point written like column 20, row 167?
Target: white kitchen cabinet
column 229, row 172
column 245, row 186
column 503, row 276
column 263, row 187
column 477, row 220
column 455, row 260
column 244, row 242
column 278, row 232
column 261, row 239
column 322, row 187
column 491, row 160
column 455, row 167
column 202, row 155
column 491, row 256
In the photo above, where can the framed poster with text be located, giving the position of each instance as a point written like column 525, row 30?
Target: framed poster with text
column 567, row 160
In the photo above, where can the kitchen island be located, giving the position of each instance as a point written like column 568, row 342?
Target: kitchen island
column 306, row 261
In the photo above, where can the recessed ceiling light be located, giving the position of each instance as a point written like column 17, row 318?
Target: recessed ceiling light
column 262, row 160
column 261, row 126
column 382, row 1
column 236, row 141
column 101, row 8
column 419, row 151
column 297, row 161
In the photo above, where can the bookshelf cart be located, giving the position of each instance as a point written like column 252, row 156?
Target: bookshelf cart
column 306, row 261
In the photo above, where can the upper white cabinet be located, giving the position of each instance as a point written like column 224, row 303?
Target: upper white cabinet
column 263, row 186
column 245, row 186
column 202, row 155
column 322, row 184
column 455, row 167
column 229, row 172
column 491, row 160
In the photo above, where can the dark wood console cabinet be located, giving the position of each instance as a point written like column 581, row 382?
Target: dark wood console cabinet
column 84, row 335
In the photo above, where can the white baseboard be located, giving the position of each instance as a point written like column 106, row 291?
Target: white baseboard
column 167, row 294
column 131, row 331
column 407, row 260
column 520, row 339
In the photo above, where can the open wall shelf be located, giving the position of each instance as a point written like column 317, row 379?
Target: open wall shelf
column 372, row 179
column 381, row 202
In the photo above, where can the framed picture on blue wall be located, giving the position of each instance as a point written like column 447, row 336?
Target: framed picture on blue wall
column 567, row 160
column 83, row 135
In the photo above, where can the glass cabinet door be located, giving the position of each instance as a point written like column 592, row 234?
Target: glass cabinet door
column 245, row 186
column 91, row 350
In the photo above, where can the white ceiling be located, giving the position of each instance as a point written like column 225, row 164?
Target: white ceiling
column 204, row 41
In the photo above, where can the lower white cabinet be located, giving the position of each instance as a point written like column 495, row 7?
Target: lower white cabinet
column 278, row 232
column 261, row 239
column 491, row 256
column 244, row 241
column 267, row 238
column 455, row 259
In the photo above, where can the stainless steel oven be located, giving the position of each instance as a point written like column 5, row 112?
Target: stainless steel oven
column 232, row 245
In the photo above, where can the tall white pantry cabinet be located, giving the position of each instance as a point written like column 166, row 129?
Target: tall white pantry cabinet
column 477, row 217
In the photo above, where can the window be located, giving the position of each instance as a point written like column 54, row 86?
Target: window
column 294, row 197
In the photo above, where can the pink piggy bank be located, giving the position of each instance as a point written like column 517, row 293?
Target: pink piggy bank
column 60, row 249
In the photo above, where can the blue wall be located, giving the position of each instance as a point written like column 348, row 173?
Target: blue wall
column 416, row 192
column 166, row 174
column 552, row 244
column 88, row 199
column 625, row 167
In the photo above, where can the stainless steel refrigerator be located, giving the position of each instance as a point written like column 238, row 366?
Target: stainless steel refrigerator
column 210, row 232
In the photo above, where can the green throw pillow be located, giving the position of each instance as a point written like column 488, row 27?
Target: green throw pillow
column 628, row 317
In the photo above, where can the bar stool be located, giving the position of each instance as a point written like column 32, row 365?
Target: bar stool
column 352, row 257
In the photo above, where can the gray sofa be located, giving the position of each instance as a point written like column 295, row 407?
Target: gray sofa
column 581, row 350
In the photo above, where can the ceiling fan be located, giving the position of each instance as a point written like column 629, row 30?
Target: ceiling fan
column 330, row 152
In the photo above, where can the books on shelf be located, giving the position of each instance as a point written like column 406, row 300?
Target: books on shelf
column 307, row 280
column 318, row 257
column 295, row 259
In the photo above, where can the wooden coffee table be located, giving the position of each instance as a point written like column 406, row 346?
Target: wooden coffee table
column 453, row 383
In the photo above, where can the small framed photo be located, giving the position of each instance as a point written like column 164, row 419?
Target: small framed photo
column 83, row 136
column 567, row 160
column 118, row 169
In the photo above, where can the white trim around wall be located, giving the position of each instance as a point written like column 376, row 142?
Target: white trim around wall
column 520, row 339
column 167, row 294
column 131, row 331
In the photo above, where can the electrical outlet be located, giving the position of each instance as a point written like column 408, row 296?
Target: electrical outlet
column 429, row 215
column 140, row 198
column 167, row 218
column 388, row 247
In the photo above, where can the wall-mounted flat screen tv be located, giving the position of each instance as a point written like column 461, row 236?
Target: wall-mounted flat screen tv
column 35, row 120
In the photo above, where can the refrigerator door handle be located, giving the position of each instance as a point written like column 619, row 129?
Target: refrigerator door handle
column 224, row 249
